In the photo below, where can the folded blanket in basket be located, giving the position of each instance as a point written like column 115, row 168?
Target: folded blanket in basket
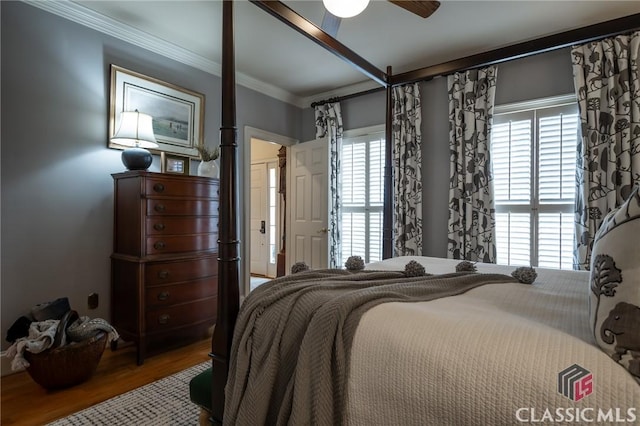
column 40, row 338
column 84, row 328
column 42, row 335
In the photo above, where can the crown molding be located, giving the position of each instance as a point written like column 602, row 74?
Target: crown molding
column 98, row 22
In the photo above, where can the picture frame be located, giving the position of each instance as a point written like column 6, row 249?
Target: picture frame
column 178, row 113
column 176, row 164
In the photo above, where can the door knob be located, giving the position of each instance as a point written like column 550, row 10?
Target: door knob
column 323, row 230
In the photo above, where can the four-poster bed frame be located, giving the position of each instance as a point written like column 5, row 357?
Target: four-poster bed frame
column 229, row 243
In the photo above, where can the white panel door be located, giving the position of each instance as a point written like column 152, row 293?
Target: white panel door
column 308, row 204
column 258, row 200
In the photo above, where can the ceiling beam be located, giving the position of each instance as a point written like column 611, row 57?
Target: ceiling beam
column 520, row 50
column 285, row 14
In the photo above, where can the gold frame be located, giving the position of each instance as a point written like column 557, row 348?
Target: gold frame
column 178, row 113
column 175, row 164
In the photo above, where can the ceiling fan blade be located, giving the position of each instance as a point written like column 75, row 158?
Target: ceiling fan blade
column 330, row 23
column 421, row 8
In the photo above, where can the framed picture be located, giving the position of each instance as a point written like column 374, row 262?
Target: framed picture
column 178, row 113
column 178, row 164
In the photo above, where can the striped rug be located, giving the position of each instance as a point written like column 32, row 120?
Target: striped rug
column 160, row 403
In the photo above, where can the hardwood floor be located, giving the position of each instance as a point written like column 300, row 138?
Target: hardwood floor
column 24, row 402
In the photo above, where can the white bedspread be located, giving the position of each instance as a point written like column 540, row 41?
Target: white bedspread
column 490, row 356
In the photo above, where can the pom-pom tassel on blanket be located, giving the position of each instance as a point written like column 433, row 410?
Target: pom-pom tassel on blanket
column 299, row 267
column 414, row 269
column 465, row 266
column 525, row 274
column 354, row 263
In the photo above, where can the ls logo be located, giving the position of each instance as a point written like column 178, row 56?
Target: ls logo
column 575, row 382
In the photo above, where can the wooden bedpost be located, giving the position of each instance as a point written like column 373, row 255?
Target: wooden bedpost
column 387, row 214
column 229, row 242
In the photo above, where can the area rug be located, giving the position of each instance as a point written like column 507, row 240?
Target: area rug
column 160, row 403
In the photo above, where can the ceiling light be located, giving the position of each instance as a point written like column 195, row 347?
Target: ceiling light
column 345, row 8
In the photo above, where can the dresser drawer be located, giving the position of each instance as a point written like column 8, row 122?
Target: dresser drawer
column 181, row 188
column 166, row 295
column 170, row 225
column 169, row 207
column 175, row 272
column 181, row 243
column 178, row 315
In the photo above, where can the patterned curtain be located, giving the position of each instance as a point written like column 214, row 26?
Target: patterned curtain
column 607, row 84
column 471, row 207
column 407, row 171
column 329, row 125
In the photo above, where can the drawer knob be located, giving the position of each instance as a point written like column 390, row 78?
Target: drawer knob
column 164, row 318
column 159, row 245
column 159, row 226
column 163, row 274
column 159, row 208
column 158, row 187
column 163, row 296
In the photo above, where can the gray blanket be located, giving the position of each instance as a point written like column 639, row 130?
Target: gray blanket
column 290, row 354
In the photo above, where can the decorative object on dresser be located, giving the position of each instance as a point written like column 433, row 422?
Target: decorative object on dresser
column 208, row 166
column 164, row 267
column 177, row 164
column 178, row 113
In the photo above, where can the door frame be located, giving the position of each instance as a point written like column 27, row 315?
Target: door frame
column 251, row 133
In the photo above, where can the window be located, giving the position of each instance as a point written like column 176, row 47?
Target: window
column 533, row 152
column 273, row 249
column 362, row 175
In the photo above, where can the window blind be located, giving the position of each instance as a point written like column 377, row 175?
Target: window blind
column 533, row 155
column 362, row 195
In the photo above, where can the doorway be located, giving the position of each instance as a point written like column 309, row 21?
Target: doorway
column 261, row 166
column 265, row 209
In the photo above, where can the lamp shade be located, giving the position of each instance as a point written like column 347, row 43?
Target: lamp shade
column 136, row 130
column 345, row 8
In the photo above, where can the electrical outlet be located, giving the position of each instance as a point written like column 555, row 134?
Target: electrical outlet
column 92, row 301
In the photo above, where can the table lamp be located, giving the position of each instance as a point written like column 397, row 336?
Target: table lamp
column 136, row 132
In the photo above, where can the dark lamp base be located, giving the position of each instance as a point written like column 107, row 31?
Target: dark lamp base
column 136, row 158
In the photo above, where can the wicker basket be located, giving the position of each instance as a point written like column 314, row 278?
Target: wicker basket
column 66, row 365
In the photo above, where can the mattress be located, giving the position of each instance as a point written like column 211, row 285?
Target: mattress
column 497, row 354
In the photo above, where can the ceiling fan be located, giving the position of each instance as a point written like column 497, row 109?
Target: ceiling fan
column 338, row 9
column 422, row 8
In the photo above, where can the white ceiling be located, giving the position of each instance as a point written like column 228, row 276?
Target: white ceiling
column 273, row 56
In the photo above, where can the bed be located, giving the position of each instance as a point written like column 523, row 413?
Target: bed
column 497, row 354
column 490, row 355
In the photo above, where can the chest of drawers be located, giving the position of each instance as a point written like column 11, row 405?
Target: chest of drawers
column 164, row 266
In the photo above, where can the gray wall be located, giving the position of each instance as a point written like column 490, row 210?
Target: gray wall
column 57, row 190
column 358, row 112
column 539, row 76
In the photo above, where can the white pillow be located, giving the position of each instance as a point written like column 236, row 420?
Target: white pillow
column 614, row 299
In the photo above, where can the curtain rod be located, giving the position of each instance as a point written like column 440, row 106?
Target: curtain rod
column 593, row 32
column 345, row 97
column 561, row 40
